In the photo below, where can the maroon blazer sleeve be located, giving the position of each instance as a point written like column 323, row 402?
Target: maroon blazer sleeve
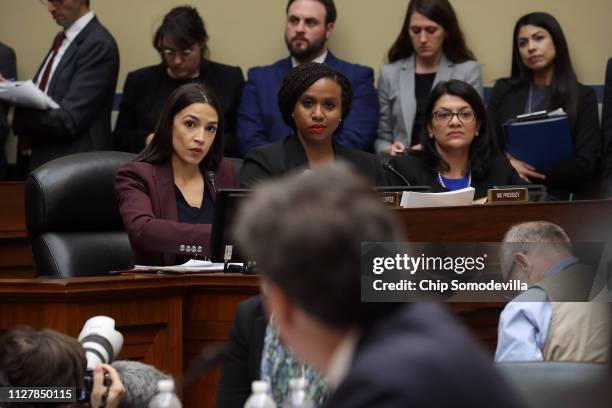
column 148, row 207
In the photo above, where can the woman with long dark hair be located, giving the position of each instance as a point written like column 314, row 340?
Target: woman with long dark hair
column 167, row 194
column 429, row 49
column 182, row 43
column 458, row 151
column 543, row 78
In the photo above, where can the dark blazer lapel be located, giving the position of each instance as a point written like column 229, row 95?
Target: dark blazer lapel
column 516, row 101
column 71, row 52
column 330, row 59
column 282, row 69
column 295, row 156
column 45, row 59
column 166, row 198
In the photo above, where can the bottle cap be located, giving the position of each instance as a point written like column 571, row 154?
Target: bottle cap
column 260, row 387
column 165, row 385
column 298, row 383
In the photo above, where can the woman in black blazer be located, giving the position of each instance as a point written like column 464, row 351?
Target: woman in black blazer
column 457, row 147
column 313, row 100
column 543, row 79
column 181, row 42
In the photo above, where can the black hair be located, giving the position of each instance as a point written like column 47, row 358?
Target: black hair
column 482, row 147
column 160, row 149
column 330, row 10
column 564, row 88
column 184, row 26
column 442, row 13
column 300, row 78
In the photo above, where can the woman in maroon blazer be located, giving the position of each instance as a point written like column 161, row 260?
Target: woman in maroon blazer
column 167, row 194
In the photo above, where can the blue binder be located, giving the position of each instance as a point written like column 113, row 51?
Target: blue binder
column 540, row 143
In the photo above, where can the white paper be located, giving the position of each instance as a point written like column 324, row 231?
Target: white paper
column 26, row 94
column 193, row 265
column 412, row 199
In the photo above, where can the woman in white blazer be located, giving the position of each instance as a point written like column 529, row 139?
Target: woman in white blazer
column 429, row 49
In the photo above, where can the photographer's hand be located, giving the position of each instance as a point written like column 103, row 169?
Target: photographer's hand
column 103, row 395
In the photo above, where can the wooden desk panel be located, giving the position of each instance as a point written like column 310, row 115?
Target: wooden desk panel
column 586, row 221
column 15, row 255
column 166, row 320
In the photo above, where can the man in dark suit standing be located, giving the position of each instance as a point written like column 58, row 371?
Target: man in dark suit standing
column 309, row 26
column 384, row 355
column 80, row 74
column 8, row 70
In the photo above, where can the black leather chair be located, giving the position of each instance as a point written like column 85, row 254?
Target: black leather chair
column 72, row 217
column 556, row 384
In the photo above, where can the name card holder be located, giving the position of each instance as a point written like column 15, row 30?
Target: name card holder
column 507, row 195
column 391, row 198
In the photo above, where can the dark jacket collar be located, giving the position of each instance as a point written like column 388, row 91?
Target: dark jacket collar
column 295, row 155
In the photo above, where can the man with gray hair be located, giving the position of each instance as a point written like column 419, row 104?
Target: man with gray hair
column 140, row 382
column 553, row 319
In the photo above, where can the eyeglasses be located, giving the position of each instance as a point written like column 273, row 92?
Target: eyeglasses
column 54, row 2
column 446, row 116
column 171, row 53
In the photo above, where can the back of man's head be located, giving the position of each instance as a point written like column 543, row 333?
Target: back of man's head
column 330, row 10
column 140, row 382
column 45, row 358
column 305, row 232
column 545, row 237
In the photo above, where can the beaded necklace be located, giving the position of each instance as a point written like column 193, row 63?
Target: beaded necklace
column 441, row 180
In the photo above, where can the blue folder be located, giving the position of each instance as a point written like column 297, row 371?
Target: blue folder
column 540, row 143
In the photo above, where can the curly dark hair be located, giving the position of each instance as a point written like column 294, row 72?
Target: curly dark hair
column 184, row 26
column 300, row 78
column 482, row 148
column 442, row 13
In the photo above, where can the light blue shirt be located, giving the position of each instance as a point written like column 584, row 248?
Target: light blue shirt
column 524, row 323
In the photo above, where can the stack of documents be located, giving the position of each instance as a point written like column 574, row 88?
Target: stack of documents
column 26, row 94
column 412, row 199
column 191, row 266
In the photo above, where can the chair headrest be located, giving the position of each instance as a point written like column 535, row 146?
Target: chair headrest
column 74, row 193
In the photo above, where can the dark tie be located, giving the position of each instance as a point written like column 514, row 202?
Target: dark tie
column 45, row 77
column 24, row 143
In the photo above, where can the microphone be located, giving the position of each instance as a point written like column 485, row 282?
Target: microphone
column 210, row 175
column 389, row 167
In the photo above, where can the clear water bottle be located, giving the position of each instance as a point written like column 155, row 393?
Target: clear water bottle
column 260, row 397
column 298, row 394
column 165, row 398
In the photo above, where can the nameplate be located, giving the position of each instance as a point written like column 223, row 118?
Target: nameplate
column 391, row 198
column 507, row 195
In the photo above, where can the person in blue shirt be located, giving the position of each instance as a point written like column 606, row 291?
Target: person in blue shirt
column 309, row 25
column 551, row 320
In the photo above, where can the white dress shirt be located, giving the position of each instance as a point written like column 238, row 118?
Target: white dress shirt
column 71, row 33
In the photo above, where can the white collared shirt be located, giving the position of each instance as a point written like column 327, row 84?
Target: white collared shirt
column 320, row 59
column 71, row 33
column 341, row 360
